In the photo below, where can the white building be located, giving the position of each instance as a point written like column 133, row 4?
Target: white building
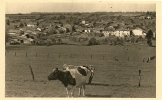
column 30, row 25
column 137, row 32
column 148, row 17
column 83, row 21
column 122, row 33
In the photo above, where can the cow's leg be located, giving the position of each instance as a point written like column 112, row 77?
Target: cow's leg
column 79, row 91
column 83, row 90
column 67, row 90
column 72, row 93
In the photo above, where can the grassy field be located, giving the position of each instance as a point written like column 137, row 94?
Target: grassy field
column 113, row 79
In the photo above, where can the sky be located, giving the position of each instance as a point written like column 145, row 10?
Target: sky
column 27, row 7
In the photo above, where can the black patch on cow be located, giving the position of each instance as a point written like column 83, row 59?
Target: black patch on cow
column 86, row 67
column 66, row 78
column 82, row 71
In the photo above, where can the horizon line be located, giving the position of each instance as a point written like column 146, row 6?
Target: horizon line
column 85, row 12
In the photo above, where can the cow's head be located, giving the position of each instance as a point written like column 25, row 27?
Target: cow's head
column 54, row 75
column 91, row 69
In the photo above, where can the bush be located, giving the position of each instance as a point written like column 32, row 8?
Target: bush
column 98, row 34
column 93, row 41
column 119, row 41
column 78, row 39
column 103, row 41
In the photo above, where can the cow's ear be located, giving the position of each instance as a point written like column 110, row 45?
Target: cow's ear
column 56, row 68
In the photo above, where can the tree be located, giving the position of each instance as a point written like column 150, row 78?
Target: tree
column 25, row 24
column 21, row 25
column 38, row 23
column 149, row 37
column 8, row 22
column 93, row 41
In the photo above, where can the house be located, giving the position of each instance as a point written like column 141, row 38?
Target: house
column 83, row 22
column 148, row 17
column 118, row 33
column 30, row 25
column 12, row 34
column 87, row 30
column 126, row 32
column 39, row 29
column 108, row 31
column 139, row 32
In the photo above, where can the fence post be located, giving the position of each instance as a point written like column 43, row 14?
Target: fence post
column 139, row 84
column 148, row 59
column 31, row 72
column 15, row 53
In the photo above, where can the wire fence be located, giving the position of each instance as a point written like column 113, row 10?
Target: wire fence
column 79, row 56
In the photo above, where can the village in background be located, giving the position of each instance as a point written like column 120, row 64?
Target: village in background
column 88, row 28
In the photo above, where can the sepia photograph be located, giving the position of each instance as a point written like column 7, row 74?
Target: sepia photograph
column 89, row 49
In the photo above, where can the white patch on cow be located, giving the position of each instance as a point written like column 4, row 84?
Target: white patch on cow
column 79, row 78
column 53, row 70
column 74, row 71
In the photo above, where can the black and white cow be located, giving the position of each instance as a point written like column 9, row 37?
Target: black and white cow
column 71, row 78
column 89, row 74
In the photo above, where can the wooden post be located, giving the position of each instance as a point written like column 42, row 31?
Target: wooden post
column 148, row 59
column 139, row 84
column 15, row 53
column 31, row 72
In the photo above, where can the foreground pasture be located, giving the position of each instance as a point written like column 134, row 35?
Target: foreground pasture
column 112, row 79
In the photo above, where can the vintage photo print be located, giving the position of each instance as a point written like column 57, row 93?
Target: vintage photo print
column 81, row 49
